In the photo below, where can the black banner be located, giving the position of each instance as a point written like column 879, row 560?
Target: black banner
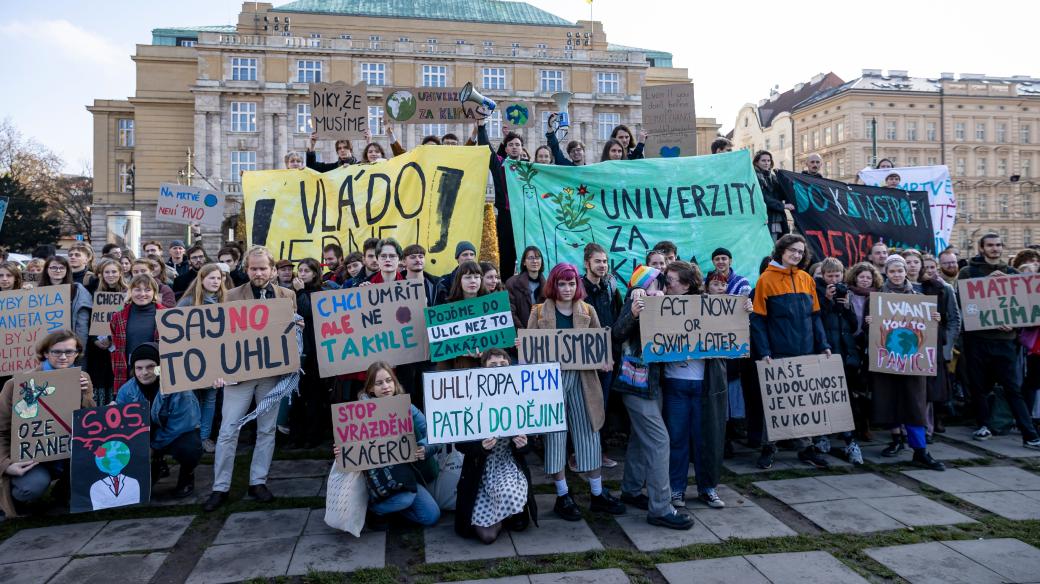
column 843, row 220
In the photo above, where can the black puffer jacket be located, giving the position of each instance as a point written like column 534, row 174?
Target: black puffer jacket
column 839, row 323
column 773, row 196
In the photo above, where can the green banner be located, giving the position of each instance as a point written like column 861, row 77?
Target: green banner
column 700, row 203
column 468, row 327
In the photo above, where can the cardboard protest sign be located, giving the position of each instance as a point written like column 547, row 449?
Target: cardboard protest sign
column 494, row 402
column 431, row 195
column 934, row 180
column 671, row 145
column 110, row 457
column 355, row 327
column 1004, row 300
column 189, row 205
column 105, row 305
column 572, row 349
column 428, row 105
column 374, row 433
column 669, row 108
column 239, row 341
column 702, row 326
column 903, row 338
column 804, row 396
column 845, row 220
column 470, row 326
column 698, row 202
column 26, row 316
column 516, row 114
column 339, row 110
column 41, row 424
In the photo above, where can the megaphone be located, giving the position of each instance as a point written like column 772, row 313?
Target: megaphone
column 468, row 93
column 563, row 120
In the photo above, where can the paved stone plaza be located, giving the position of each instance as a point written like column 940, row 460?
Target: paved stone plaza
column 786, row 515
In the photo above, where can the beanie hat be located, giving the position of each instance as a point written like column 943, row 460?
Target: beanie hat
column 895, row 260
column 148, row 351
column 643, row 276
column 464, row 246
column 721, row 251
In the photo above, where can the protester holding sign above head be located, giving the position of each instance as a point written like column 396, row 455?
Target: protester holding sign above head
column 813, row 165
column 24, row 482
column 772, row 195
column 525, row 288
column 511, row 149
column 564, row 309
column 237, row 398
column 344, row 155
column 174, row 418
column 786, row 322
column 995, row 356
column 57, row 272
column 624, row 136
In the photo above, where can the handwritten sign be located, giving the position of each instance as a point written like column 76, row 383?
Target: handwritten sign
column 110, row 457
column 374, row 433
column 355, row 327
column 26, row 316
column 474, row 404
column 105, row 305
column 671, row 145
column 677, row 328
column 804, row 396
column 669, row 108
column 239, row 341
column 427, row 105
column 41, row 423
column 573, row 349
column 339, row 110
column 470, row 326
column 934, row 180
column 903, row 338
column 995, row 301
column 189, row 205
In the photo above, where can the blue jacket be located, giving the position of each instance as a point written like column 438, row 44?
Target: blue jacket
column 786, row 319
column 172, row 415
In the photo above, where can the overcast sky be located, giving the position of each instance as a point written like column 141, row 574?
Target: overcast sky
column 59, row 61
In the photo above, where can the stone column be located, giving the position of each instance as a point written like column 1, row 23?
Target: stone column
column 267, row 153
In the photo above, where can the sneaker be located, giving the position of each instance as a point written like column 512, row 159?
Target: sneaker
column 823, row 445
column 608, row 462
column 566, row 508
column 261, row 493
column 672, row 521
column 679, row 500
column 982, row 433
column 216, row 499
column 209, row 446
column 711, row 498
column 853, row 454
column 923, row 458
column 283, row 430
column 765, row 460
column 607, row 503
column 639, row 501
column 813, row 458
column 894, row 447
column 1034, row 443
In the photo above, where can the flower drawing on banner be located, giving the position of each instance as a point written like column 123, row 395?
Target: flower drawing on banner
column 525, row 171
column 572, row 206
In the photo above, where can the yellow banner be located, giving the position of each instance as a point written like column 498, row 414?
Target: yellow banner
column 432, row 195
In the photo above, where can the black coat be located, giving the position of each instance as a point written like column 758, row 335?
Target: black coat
column 473, row 463
column 312, row 163
column 773, row 196
column 839, row 323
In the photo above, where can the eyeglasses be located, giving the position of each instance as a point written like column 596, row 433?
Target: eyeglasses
column 56, row 269
column 197, row 258
column 68, row 354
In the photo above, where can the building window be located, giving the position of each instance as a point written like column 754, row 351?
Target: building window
column 494, row 78
column 1003, row 199
column 126, row 132
column 980, row 132
column 241, row 161
column 494, row 125
column 815, row 139
column 958, row 131
column 840, row 134
column 303, row 118
column 243, row 69
column 434, row 129
column 841, row 167
column 827, row 136
column 981, row 204
column 1002, row 133
column 1025, row 168
column 375, row 120
column 783, row 139
column 551, row 80
column 805, row 143
column 187, row 42
column 890, row 130
column 1027, row 204
column 932, row 134
column 870, row 130
column 1025, row 133
column 1002, row 167
column 606, row 124
column 308, row 71
column 243, row 116
column 827, row 168
column 911, row 131
column 125, row 177
column 434, row 75
column 373, row 73
column 932, row 161
column 767, row 144
column 980, row 166
column 1027, row 237
column 608, row 82
column 962, row 166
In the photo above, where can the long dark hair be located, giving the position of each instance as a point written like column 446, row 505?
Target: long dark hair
column 377, row 146
column 787, row 241
column 631, row 137
column 464, row 269
column 605, row 156
column 46, row 277
column 760, row 154
column 315, row 284
column 523, row 256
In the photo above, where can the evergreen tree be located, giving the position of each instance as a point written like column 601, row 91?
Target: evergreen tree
column 27, row 223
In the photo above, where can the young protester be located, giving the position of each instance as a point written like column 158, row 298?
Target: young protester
column 612, row 150
column 284, row 269
column 913, row 267
column 884, row 163
column 786, row 322
column 80, row 258
column 415, row 269
column 373, row 151
column 388, row 255
column 355, row 264
column 10, row 277
column 332, row 254
column 543, row 155
column 939, row 387
column 370, row 260
column 878, row 255
column 231, row 255
column 467, row 284
column 134, row 324
column 150, row 267
column 949, row 267
column 237, row 398
column 892, row 180
column 861, row 279
column 99, row 359
column 902, row 400
column 112, row 250
column 177, row 260
column 669, row 249
column 575, row 150
column 344, row 155
column 510, row 150
column 721, row 144
column 196, row 259
column 22, row 483
column 655, row 259
column 492, row 283
column 209, row 287
column 33, row 272
column 526, row 288
column 623, row 135
column 603, row 295
column 772, row 195
column 174, row 418
column 564, row 308
column 494, row 490
column 293, row 161
column 57, row 272
column 127, row 263
column 308, row 410
column 736, row 284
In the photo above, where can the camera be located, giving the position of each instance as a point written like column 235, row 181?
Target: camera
column 841, row 290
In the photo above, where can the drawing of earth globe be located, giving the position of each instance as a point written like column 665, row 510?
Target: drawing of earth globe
column 901, row 342
column 112, row 457
column 401, row 105
column 210, row 200
column 517, row 115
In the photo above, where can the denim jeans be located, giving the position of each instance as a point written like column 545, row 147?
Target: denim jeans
column 696, row 423
column 418, row 507
column 208, row 403
column 737, row 410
